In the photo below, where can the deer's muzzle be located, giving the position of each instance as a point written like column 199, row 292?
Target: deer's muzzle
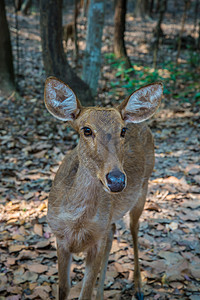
column 116, row 181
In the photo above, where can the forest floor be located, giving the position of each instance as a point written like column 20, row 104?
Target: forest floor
column 33, row 145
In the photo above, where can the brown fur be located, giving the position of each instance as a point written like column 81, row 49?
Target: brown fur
column 80, row 211
column 68, row 32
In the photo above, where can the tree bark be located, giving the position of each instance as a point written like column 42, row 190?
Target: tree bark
column 54, row 59
column 76, row 48
column 18, row 4
column 85, row 4
column 141, row 8
column 92, row 59
column 158, row 33
column 196, row 12
column 186, row 7
column 7, row 78
column 119, row 29
column 151, row 7
column 198, row 39
column 26, row 6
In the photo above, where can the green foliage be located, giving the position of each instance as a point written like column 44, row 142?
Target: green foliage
column 132, row 78
column 194, row 58
column 197, row 98
column 171, row 75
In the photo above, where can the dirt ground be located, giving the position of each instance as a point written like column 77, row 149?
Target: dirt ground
column 32, row 147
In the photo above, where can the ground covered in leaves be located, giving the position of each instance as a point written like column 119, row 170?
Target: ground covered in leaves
column 32, row 146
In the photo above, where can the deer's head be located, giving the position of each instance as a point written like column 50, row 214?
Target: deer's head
column 102, row 130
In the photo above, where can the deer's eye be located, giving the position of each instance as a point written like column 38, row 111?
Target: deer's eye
column 123, row 132
column 87, row 131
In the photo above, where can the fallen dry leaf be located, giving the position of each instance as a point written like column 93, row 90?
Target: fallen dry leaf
column 16, row 248
column 152, row 206
column 38, row 229
column 37, row 268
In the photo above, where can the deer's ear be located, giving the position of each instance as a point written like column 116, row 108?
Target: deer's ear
column 60, row 100
column 142, row 104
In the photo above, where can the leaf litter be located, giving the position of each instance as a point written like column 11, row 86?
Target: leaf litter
column 32, row 147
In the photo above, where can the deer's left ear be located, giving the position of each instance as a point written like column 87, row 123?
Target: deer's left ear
column 142, row 104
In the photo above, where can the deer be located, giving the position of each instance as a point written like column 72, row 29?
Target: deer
column 104, row 177
column 68, row 32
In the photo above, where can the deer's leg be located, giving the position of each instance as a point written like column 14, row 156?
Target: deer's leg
column 135, row 214
column 105, row 263
column 93, row 263
column 64, row 263
column 137, row 276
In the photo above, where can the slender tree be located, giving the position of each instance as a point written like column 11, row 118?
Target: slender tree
column 151, row 7
column 26, row 6
column 76, row 49
column 198, row 39
column 7, row 80
column 141, row 8
column 18, row 4
column 92, row 59
column 186, row 7
column 54, row 59
column 119, row 29
column 85, row 7
column 158, row 33
column 196, row 13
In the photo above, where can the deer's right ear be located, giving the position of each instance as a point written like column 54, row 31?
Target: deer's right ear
column 60, row 100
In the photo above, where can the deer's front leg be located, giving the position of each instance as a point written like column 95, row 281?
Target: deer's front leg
column 135, row 214
column 104, row 264
column 64, row 263
column 93, row 263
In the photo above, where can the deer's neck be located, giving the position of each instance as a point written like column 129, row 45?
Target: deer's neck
column 82, row 196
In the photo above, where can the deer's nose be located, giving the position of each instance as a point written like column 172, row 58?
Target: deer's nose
column 116, row 181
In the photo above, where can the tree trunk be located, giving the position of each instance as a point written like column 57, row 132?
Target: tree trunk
column 7, row 79
column 85, row 4
column 198, row 39
column 196, row 12
column 76, row 48
column 18, row 4
column 92, row 59
column 186, row 7
column 141, row 8
column 55, row 63
column 158, row 33
column 26, row 6
column 151, row 7
column 119, row 29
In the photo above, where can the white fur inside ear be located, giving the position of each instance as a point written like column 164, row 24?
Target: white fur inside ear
column 60, row 100
column 142, row 104
column 146, row 97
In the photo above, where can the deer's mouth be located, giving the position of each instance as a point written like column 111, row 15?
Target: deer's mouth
column 106, row 189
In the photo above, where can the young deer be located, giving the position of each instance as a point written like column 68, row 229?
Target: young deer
column 100, row 180
column 68, row 32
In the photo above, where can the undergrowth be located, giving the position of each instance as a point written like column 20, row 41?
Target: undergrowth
column 180, row 81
